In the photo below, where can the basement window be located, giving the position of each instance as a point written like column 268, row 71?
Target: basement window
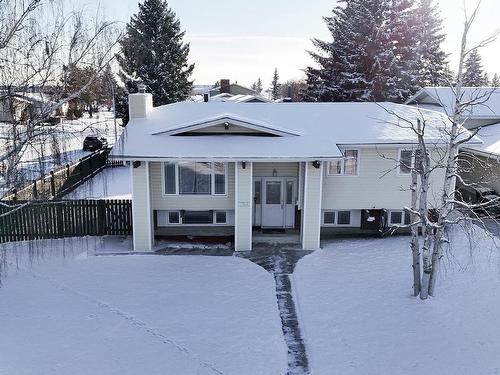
column 344, row 218
column 329, row 218
column 220, row 217
column 198, row 217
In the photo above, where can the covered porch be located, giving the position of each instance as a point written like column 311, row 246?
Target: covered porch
column 279, row 202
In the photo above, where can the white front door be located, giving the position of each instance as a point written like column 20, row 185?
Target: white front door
column 278, row 202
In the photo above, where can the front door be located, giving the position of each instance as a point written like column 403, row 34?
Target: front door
column 278, row 202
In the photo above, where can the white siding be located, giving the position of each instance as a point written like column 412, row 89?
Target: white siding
column 282, row 169
column 141, row 208
column 311, row 213
column 378, row 184
column 243, row 210
column 189, row 202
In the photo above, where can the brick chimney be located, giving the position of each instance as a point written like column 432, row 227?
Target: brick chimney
column 225, row 86
column 140, row 104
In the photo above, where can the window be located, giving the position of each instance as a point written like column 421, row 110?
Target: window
column 273, row 192
column 220, row 217
column 344, row 217
column 170, row 178
column 405, row 161
column 351, row 162
column 220, row 178
column 257, row 192
column 198, row 217
column 400, row 217
column 329, row 217
column 174, row 217
column 396, row 217
column 348, row 166
column 195, row 178
column 289, row 192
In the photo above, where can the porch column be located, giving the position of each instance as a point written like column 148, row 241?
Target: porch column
column 142, row 215
column 311, row 211
column 243, row 206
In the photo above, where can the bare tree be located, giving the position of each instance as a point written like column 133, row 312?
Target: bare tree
column 39, row 44
column 444, row 160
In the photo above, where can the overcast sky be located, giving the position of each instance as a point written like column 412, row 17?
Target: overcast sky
column 243, row 40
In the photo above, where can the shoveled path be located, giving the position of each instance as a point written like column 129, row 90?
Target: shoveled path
column 280, row 261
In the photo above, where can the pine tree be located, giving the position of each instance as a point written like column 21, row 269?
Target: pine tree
column 355, row 65
column 257, row 86
column 432, row 60
column 275, row 89
column 380, row 50
column 153, row 52
column 474, row 75
column 495, row 81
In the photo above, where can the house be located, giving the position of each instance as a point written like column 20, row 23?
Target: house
column 22, row 106
column 223, row 168
column 224, row 97
column 480, row 162
column 224, row 86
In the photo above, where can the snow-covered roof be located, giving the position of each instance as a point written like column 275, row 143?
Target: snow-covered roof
column 485, row 101
column 490, row 135
column 300, row 131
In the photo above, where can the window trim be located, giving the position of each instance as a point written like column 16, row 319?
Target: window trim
column 403, row 217
column 212, row 182
column 412, row 164
column 336, row 213
column 215, row 217
column 342, row 174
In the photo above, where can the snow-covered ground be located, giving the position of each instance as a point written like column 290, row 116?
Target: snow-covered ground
column 358, row 316
column 111, row 183
column 38, row 157
column 137, row 314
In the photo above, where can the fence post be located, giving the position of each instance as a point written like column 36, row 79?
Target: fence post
column 14, row 194
column 52, row 184
column 35, row 192
column 67, row 170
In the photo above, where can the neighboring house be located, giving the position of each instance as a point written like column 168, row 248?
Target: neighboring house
column 222, row 168
column 22, row 106
column 480, row 163
column 224, row 86
column 230, row 98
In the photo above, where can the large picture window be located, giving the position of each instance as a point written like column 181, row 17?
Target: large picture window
column 195, row 178
column 348, row 166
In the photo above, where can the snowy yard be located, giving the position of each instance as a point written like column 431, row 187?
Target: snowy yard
column 132, row 314
column 357, row 315
column 39, row 157
column 111, row 183
column 138, row 315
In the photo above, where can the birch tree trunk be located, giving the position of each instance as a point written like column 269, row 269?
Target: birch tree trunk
column 415, row 245
column 451, row 168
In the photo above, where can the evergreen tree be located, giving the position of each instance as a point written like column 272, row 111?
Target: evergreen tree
column 257, row 86
column 355, row 65
column 380, row 50
column 432, row 60
column 275, row 89
column 495, row 82
column 474, row 75
column 153, row 52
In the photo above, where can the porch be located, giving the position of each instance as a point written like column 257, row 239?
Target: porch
column 276, row 202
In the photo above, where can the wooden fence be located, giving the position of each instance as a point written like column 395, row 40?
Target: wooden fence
column 63, row 180
column 22, row 221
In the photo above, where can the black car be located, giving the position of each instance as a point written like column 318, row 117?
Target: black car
column 92, row 143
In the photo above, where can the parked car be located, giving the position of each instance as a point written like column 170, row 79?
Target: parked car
column 92, row 143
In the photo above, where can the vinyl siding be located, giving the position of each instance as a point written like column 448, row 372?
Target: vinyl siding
column 282, row 169
column 189, row 202
column 378, row 184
